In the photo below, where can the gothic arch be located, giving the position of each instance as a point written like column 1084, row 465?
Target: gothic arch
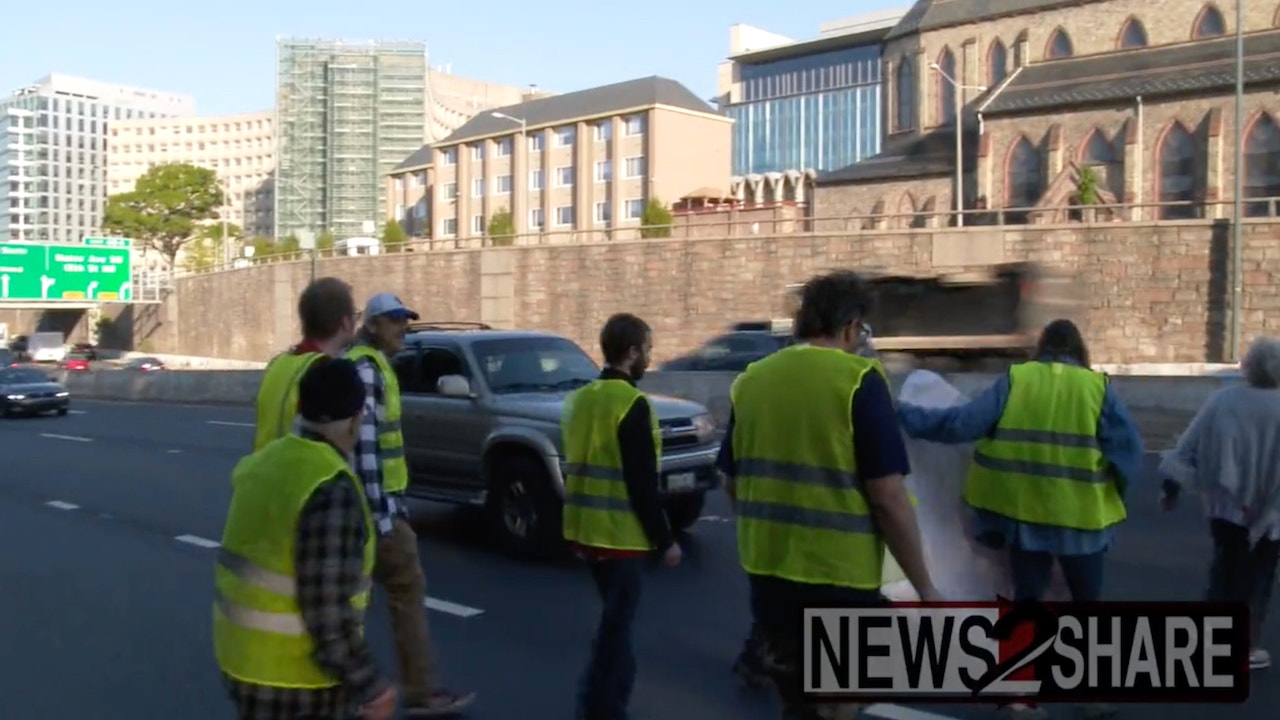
column 1024, row 175
column 905, row 81
column 944, row 90
column 1097, row 149
column 905, row 214
column 1261, row 163
column 1133, row 35
column 1059, row 45
column 1176, row 172
column 1209, row 23
column 997, row 63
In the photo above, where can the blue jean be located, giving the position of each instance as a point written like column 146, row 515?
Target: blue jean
column 604, row 691
column 1033, row 570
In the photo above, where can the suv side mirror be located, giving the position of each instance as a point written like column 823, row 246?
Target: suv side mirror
column 453, row 386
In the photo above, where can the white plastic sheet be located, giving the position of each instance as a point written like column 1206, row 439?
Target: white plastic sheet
column 961, row 569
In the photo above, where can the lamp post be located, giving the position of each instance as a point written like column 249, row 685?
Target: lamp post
column 958, row 122
column 523, row 125
column 524, row 139
column 1237, row 229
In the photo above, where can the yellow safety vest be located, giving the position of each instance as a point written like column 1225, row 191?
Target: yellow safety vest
column 801, row 512
column 259, row 636
column 395, row 471
column 597, row 509
column 1043, row 464
column 277, row 402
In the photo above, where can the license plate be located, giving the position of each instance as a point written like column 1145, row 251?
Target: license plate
column 681, row 481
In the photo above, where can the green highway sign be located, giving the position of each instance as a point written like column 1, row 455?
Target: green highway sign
column 109, row 242
column 39, row 271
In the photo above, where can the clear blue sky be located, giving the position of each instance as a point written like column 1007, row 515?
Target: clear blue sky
column 223, row 51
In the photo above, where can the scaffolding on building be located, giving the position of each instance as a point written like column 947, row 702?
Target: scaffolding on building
column 348, row 114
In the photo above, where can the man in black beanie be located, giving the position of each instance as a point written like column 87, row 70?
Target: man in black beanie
column 293, row 574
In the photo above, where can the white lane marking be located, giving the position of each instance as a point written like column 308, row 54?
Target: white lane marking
column 714, row 519
column 228, row 423
column 445, row 606
column 62, row 505
column 77, row 412
column 72, row 438
column 173, row 452
column 198, row 541
column 898, row 712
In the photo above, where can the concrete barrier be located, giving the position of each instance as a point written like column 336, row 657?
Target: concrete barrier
column 1180, row 394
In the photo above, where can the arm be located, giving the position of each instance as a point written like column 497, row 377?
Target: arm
column 882, row 470
column 1179, row 466
column 724, row 459
column 961, row 424
column 329, row 558
column 640, row 473
column 367, row 459
column 1120, row 442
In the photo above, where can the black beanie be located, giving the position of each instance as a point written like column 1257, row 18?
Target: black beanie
column 330, row 391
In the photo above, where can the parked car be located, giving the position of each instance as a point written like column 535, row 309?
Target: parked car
column 481, row 423
column 28, row 391
column 733, row 351
column 144, row 364
column 76, row 362
column 88, row 350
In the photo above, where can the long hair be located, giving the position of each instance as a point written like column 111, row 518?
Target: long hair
column 1061, row 338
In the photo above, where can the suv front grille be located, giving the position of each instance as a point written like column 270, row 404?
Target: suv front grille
column 678, row 434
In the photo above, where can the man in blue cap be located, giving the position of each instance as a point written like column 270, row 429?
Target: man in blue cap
column 379, row 461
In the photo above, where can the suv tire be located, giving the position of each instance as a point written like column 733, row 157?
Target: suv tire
column 684, row 510
column 524, row 511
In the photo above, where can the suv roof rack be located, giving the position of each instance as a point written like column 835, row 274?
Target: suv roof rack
column 448, row 325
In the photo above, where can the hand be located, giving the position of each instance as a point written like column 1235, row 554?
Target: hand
column 382, row 706
column 673, row 555
column 930, row 594
column 1167, row 502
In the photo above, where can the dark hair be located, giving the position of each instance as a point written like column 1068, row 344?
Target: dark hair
column 324, row 305
column 831, row 302
column 621, row 333
column 1061, row 338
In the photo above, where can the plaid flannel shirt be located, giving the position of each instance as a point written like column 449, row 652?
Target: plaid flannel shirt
column 367, row 462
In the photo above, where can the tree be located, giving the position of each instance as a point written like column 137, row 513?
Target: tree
column 1087, row 187
column 287, row 244
column 501, row 228
column 325, row 241
column 393, row 236
column 166, row 207
column 656, row 220
column 207, row 249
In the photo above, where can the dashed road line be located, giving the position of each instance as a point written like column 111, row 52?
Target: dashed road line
column 445, row 606
column 900, row 712
column 198, row 541
column 71, row 438
column 228, row 423
column 715, row 519
column 62, row 505
column 77, row 412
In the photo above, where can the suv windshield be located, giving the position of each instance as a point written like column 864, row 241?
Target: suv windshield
column 22, row 375
column 533, row 364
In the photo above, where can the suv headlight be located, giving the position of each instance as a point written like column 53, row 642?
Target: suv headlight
column 705, row 426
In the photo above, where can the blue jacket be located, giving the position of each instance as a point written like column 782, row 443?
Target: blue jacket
column 1117, row 436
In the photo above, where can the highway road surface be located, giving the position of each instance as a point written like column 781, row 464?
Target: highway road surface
column 109, row 517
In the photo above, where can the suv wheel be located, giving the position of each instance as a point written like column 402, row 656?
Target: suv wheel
column 684, row 510
column 524, row 510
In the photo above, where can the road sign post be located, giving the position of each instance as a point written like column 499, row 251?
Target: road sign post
column 65, row 273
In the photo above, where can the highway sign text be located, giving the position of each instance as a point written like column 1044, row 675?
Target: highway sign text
column 67, row 273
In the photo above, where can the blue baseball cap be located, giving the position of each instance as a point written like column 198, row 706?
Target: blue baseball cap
column 387, row 305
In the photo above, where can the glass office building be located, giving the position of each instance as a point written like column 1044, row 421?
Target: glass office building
column 818, row 111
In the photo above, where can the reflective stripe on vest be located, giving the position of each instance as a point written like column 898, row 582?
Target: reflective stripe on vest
column 597, row 511
column 259, row 634
column 1043, row 464
column 801, row 513
column 395, row 470
column 277, row 401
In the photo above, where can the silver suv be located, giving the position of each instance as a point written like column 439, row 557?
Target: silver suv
column 481, row 423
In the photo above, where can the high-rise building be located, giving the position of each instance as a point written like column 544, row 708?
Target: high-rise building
column 53, row 146
column 347, row 114
column 812, row 104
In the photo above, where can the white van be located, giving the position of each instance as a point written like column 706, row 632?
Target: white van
column 357, row 246
column 47, row 347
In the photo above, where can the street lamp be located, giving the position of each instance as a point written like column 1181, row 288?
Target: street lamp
column 1237, row 229
column 500, row 116
column 958, row 122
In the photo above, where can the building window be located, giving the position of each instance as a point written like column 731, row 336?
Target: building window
column 449, row 227
column 1132, row 35
column 535, row 218
column 502, row 147
column 502, row 185
column 1209, row 23
column 565, row 136
column 635, row 167
column 905, row 82
column 449, row 156
column 477, row 187
column 997, row 63
column 564, row 215
column 604, row 214
column 477, row 224
column 535, row 180
column 635, row 125
column 1177, row 181
column 1262, row 165
column 634, row 209
column 449, row 191
column 604, row 171
column 1026, row 183
column 1097, row 150
column 564, row 176
column 477, row 151
column 1059, row 46
column 946, row 90
column 535, row 142
column 604, row 130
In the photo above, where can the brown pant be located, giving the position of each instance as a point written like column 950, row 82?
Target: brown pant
column 399, row 571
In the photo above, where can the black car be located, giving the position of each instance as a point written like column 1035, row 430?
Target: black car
column 731, row 352
column 25, row 391
column 144, row 364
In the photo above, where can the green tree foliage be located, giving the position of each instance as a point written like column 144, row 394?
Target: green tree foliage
column 206, row 250
column 265, row 247
column 166, row 207
column 501, row 228
column 325, row 241
column 656, row 220
column 393, row 237
column 1087, row 187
